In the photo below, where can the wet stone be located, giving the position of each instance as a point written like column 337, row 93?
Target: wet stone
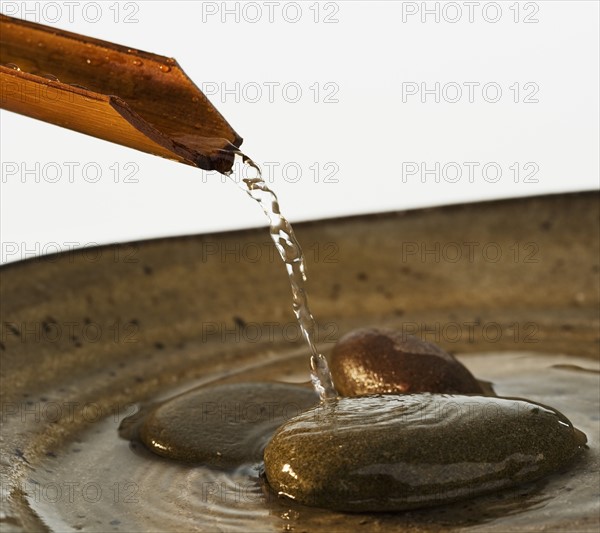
column 225, row 425
column 379, row 361
column 392, row 453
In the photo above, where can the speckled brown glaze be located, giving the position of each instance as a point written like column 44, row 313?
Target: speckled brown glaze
column 153, row 300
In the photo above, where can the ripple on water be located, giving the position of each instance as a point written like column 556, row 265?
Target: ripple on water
column 117, row 489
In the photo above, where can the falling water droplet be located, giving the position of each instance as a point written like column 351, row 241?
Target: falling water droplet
column 165, row 68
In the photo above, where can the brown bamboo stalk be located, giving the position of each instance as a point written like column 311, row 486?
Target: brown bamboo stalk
column 126, row 96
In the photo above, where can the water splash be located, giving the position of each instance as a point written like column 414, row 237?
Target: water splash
column 282, row 235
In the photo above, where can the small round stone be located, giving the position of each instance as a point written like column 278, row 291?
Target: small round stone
column 392, row 453
column 380, row 361
column 224, row 425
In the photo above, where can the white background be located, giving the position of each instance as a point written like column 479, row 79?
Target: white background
column 370, row 54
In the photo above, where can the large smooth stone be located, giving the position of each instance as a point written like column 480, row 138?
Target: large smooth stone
column 380, row 361
column 390, row 453
column 224, row 425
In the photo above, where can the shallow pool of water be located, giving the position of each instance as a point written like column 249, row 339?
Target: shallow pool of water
column 100, row 482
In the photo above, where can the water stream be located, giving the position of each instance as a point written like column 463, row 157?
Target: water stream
column 289, row 249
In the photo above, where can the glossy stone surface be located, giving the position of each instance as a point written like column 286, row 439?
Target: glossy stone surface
column 223, row 425
column 380, row 361
column 391, row 453
column 167, row 290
